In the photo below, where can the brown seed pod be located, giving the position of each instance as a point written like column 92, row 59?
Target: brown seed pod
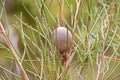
column 62, row 38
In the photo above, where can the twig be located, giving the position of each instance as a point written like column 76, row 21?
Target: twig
column 16, row 57
column 98, row 73
column 65, row 59
column 112, row 10
column 107, row 57
column 68, row 58
column 76, row 14
column 100, row 63
column 61, row 23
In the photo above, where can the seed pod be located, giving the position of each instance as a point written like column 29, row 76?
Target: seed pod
column 62, row 38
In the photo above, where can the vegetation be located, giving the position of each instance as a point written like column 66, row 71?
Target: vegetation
column 26, row 49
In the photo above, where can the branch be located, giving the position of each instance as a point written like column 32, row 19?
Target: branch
column 60, row 12
column 16, row 57
column 76, row 14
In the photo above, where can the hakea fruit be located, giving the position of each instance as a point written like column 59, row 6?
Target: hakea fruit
column 62, row 38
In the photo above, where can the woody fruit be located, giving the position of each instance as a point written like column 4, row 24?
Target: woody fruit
column 62, row 39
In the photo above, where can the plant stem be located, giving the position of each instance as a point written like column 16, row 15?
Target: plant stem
column 16, row 57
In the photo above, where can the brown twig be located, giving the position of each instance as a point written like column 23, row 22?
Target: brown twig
column 65, row 59
column 99, row 66
column 76, row 14
column 68, row 58
column 16, row 57
column 113, row 6
column 61, row 15
column 102, row 57
column 107, row 57
column 35, row 67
